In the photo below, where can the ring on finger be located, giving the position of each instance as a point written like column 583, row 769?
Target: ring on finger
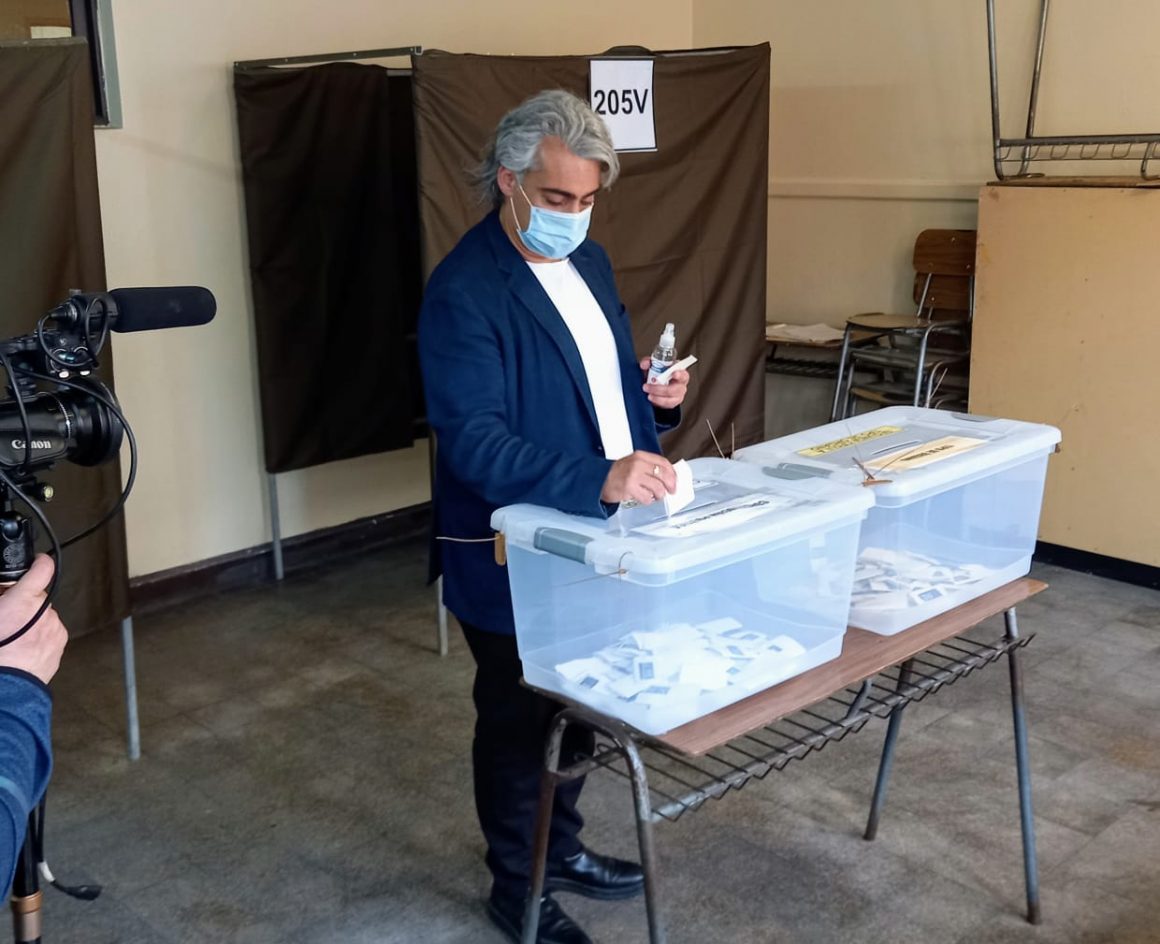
column 656, row 471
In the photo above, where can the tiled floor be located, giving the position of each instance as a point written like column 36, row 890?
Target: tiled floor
column 305, row 778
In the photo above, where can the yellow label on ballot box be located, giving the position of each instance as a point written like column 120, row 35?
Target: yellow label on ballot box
column 915, row 457
column 835, row 444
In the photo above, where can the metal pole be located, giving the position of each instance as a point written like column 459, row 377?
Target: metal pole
column 842, row 359
column 275, row 525
column 1148, row 152
column 441, row 629
column 1023, row 765
column 994, row 62
column 1033, row 104
column 27, row 898
column 441, row 610
column 644, row 835
column 920, row 364
column 131, row 718
column 886, row 764
column 392, row 53
column 549, row 780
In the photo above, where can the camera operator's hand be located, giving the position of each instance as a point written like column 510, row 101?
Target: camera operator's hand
column 39, row 650
column 643, row 476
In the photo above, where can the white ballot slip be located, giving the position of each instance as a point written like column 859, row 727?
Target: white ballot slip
column 684, row 494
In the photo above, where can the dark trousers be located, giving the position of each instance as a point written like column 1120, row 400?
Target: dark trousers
column 507, row 757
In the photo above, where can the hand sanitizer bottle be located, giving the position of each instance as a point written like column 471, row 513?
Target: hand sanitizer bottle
column 664, row 355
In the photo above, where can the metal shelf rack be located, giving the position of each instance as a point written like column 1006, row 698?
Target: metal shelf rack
column 1014, row 156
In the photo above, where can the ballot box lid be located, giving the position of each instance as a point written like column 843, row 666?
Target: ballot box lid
column 738, row 512
column 905, row 453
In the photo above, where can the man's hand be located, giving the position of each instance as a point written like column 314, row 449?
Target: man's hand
column 642, row 476
column 666, row 396
column 39, row 650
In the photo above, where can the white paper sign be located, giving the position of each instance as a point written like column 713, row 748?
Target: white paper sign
column 622, row 94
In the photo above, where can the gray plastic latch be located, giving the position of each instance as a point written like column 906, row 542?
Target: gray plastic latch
column 562, row 543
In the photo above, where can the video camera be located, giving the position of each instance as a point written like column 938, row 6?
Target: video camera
column 56, row 409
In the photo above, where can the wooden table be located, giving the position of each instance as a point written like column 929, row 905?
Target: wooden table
column 875, row 676
column 825, row 369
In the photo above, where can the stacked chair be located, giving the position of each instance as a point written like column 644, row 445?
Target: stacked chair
column 919, row 359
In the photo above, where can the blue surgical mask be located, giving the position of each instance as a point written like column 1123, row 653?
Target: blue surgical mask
column 552, row 233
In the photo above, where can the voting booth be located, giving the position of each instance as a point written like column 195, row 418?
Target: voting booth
column 956, row 503
column 659, row 619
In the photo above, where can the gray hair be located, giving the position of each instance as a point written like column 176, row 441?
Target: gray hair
column 553, row 113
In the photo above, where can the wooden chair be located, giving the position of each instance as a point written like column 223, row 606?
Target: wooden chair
column 905, row 362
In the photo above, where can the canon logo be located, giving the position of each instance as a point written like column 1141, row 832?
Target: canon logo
column 36, row 444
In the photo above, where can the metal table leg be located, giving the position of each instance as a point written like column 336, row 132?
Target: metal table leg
column 839, row 386
column 644, row 835
column 275, row 526
column 887, row 761
column 1023, row 765
column 919, row 365
column 131, row 718
column 642, row 806
column 549, row 780
column 682, row 783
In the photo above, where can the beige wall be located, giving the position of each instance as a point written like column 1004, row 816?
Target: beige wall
column 880, row 122
column 172, row 205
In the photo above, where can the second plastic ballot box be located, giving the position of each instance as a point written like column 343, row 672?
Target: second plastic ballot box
column 957, row 501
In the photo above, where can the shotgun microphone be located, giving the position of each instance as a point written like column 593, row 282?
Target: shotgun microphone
column 139, row 309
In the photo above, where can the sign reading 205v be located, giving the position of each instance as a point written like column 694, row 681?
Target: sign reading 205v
column 621, row 92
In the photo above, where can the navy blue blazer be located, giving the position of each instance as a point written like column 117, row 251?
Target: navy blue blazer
column 509, row 402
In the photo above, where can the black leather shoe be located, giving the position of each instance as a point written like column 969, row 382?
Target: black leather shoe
column 555, row 926
column 595, row 876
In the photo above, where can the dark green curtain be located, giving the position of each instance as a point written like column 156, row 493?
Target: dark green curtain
column 50, row 234
column 328, row 165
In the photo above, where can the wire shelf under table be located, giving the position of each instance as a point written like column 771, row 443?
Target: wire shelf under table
column 681, row 783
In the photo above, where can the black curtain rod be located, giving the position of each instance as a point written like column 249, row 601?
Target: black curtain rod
column 248, row 64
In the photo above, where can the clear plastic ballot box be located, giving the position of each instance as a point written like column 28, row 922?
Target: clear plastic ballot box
column 957, row 500
column 658, row 620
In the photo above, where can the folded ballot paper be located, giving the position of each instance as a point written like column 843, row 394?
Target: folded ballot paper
column 680, row 662
column 684, row 494
column 887, row 579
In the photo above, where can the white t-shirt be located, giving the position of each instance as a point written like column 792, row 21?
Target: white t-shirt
column 593, row 336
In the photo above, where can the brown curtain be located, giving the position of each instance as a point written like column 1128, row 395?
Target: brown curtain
column 50, row 231
column 328, row 161
column 685, row 226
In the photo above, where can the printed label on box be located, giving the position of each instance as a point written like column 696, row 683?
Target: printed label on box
column 915, row 457
column 835, row 445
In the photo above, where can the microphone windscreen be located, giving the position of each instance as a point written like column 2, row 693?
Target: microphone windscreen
column 171, row 306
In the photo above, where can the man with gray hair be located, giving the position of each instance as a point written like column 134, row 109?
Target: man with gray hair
column 535, row 395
